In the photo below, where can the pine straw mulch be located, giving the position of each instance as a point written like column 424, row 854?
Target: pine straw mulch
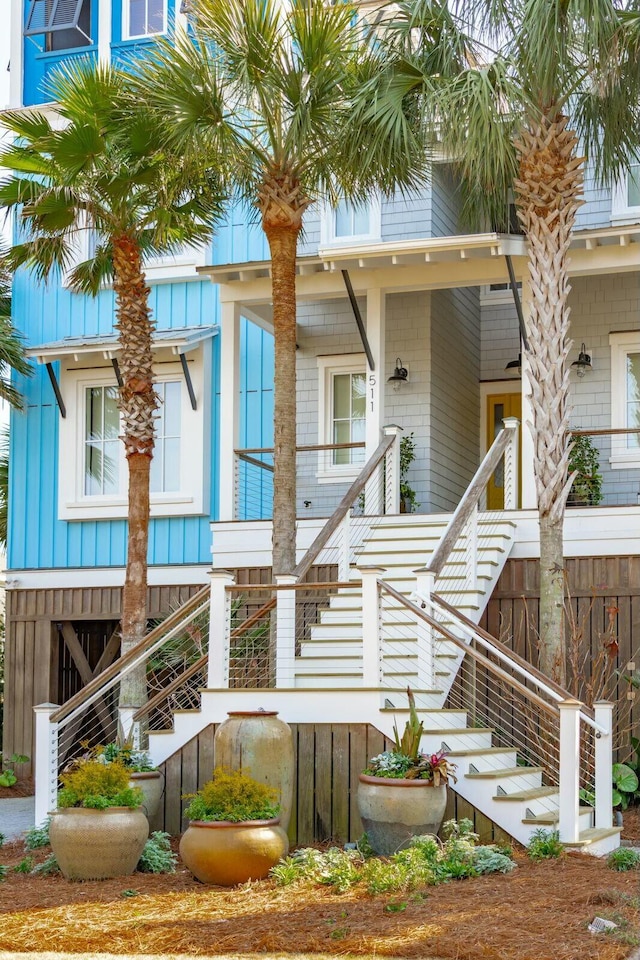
column 538, row 912
column 23, row 788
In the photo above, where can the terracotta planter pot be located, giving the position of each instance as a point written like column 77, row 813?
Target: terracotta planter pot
column 394, row 811
column 98, row 844
column 151, row 782
column 229, row 853
column 261, row 745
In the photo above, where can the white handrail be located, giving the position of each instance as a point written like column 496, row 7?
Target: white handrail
column 432, row 602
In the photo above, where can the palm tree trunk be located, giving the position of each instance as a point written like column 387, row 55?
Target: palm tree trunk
column 283, row 243
column 548, row 195
column 138, row 402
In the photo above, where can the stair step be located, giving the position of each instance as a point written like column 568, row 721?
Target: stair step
column 488, row 751
column 592, row 835
column 536, row 793
column 550, row 818
column 460, row 730
column 503, row 772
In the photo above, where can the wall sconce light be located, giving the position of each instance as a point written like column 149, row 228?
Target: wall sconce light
column 515, row 365
column 400, row 375
column 583, row 363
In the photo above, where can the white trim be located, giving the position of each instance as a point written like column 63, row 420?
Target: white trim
column 126, row 22
column 487, row 389
column 16, row 55
column 73, row 504
column 73, row 577
column 328, row 225
column 621, row 345
column 327, row 367
column 104, row 31
column 500, row 298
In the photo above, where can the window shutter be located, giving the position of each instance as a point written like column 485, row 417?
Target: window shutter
column 48, row 16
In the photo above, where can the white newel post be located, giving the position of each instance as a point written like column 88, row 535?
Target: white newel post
column 130, row 729
column 511, row 479
column 392, row 471
column 219, row 629
column 371, row 638
column 285, row 632
column 425, row 587
column 569, row 789
column 603, row 713
column 344, row 556
column 46, row 761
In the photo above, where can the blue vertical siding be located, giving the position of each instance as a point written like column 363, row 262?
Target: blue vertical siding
column 37, row 538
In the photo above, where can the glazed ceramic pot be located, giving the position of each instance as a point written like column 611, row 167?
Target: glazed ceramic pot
column 151, row 782
column 230, row 853
column 98, row 844
column 261, row 745
column 394, row 811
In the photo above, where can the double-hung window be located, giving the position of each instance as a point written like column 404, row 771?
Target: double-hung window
column 625, row 398
column 625, row 199
column 342, row 415
column 144, row 18
column 101, row 441
column 350, row 223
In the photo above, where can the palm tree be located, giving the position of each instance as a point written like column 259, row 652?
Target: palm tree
column 289, row 73
column 100, row 166
column 520, row 94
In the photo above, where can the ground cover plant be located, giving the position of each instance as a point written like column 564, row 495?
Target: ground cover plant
column 509, row 916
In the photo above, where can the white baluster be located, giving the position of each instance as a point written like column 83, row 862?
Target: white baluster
column 344, row 556
column 392, row 471
column 219, row 629
column 569, row 788
column 471, row 552
column 603, row 712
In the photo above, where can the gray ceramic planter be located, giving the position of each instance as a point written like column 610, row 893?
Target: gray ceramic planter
column 394, row 811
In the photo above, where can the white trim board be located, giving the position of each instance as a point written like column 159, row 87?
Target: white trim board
column 73, row 577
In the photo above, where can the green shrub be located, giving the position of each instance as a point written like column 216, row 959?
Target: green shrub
column 544, row 845
column 98, row 786
column 2, row 839
column 25, row 866
column 232, row 796
column 157, row 856
column 37, row 837
column 623, row 859
column 46, row 868
column 3, row 872
column 491, row 860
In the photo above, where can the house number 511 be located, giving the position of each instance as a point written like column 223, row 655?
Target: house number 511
column 372, row 384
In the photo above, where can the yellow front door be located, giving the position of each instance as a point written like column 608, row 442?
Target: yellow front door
column 499, row 406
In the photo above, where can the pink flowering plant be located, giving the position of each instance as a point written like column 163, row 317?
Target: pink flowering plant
column 406, row 761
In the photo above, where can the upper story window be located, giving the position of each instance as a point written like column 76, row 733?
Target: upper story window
column 66, row 24
column 625, row 198
column 348, row 223
column 499, row 293
column 144, row 18
column 625, row 398
column 165, row 466
column 101, row 443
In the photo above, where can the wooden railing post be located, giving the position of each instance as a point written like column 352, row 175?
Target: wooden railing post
column 603, row 715
column 392, row 471
column 46, row 762
column 371, row 637
column 569, row 788
column 511, row 458
column 219, row 630
column 285, row 632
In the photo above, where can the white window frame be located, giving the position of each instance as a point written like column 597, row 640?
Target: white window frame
column 621, row 212
column 74, row 504
column 328, row 226
column 329, row 472
column 179, row 266
column 498, row 297
column 126, row 24
column 621, row 345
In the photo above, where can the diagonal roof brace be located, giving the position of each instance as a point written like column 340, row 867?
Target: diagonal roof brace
column 56, row 389
column 358, row 316
column 517, row 301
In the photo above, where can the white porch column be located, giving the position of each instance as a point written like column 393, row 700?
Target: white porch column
column 219, row 630
column 371, row 638
column 285, row 631
column 603, row 715
column 46, row 761
column 529, row 498
column 104, row 31
column 569, row 788
column 376, row 321
column 16, row 54
column 229, row 405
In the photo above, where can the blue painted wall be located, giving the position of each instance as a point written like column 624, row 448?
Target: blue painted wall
column 37, row 538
